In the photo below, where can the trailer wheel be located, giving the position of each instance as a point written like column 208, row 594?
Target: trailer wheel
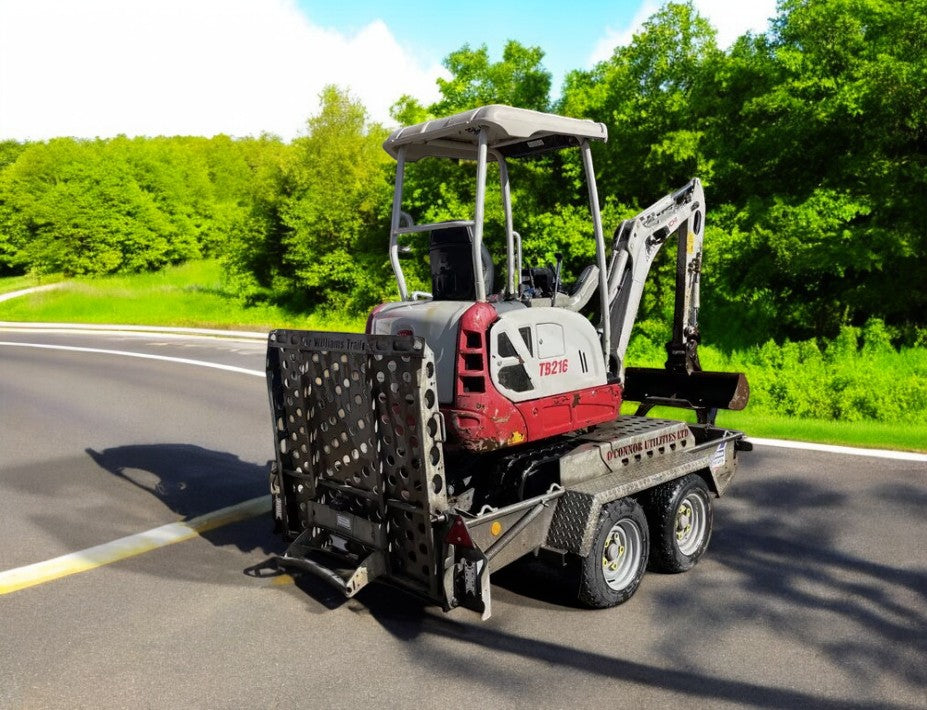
column 612, row 571
column 680, row 517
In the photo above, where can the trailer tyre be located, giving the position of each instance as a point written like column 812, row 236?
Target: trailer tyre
column 680, row 517
column 612, row 571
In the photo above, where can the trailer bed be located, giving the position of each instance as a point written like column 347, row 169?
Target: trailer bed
column 361, row 489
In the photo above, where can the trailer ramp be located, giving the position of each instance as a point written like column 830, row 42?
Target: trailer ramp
column 359, row 476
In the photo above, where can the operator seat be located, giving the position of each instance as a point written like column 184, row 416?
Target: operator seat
column 452, row 278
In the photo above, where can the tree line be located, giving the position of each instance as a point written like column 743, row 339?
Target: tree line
column 811, row 141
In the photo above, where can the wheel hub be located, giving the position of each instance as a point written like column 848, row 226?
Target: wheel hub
column 683, row 522
column 620, row 554
column 613, row 551
column 691, row 523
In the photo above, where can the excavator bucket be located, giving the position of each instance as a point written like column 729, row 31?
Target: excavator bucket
column 699, row 390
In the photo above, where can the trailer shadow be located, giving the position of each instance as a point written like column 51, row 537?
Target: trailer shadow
column 539, row 582
column 191, row 481
column 410, row 624
column 777, row 565
column 816, row 587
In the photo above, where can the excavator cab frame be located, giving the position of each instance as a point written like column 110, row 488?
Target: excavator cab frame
column 497, row 133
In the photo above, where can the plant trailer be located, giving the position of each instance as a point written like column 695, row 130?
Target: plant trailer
column 480, row 422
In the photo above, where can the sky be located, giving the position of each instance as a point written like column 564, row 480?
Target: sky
column 100, row 68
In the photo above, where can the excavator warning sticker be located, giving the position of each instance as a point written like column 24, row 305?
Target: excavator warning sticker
column 719, row 457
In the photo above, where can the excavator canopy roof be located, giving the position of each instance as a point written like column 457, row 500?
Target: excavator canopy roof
column 513, row 132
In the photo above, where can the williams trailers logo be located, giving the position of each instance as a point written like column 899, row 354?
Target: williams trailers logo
column 339, row 344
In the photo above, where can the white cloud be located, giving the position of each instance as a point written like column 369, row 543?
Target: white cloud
column 730, row 19
column 198, row 67
column 621, row 36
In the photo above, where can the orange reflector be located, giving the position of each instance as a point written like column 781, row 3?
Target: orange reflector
column 495, row 528
column 458, row 534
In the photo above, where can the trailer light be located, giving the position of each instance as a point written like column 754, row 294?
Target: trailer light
column 495, row 528
column 373, row 314
column 458, row 534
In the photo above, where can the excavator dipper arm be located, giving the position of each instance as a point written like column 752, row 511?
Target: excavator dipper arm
column 637, row 242
column 680, row 215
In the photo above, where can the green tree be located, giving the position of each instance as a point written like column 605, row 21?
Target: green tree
column 811, row 143
column 519, row 79
column 647, row 93
column 95, row 207
column 9, row 152
column 828, row 161
column 249, row 190
column 333, row 214
column 75, row 207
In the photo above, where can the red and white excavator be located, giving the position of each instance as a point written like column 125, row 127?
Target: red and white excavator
column 516, row 360
column 481, row 421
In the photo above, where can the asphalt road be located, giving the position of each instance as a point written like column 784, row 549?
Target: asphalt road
column 813, row 592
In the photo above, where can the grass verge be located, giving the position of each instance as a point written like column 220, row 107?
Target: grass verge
column 863, row 434
column 191, row 295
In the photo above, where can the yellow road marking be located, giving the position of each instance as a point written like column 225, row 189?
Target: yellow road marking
column 40, row 572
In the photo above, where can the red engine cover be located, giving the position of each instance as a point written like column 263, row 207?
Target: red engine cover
column 482, row 419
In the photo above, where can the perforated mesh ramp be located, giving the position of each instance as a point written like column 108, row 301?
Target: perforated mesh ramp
column 359, row 454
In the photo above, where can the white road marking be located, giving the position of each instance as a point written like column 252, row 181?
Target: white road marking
column 40, row 572
column 843, row 450
column 144, row 356
column 142, row 330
